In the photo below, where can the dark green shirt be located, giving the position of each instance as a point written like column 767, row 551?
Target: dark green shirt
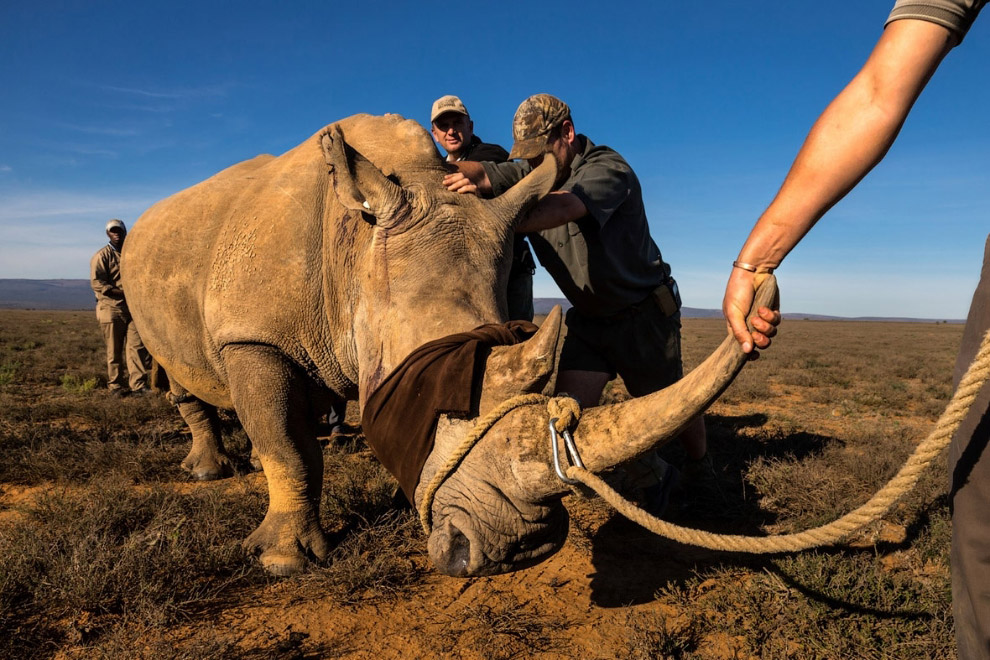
column 607, row 260
column 478, row 150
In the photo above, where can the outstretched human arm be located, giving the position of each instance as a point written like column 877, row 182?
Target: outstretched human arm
column 556, row 209
column 850, row 137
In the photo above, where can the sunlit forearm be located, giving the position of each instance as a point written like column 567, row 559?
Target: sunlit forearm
column 850, row 137
column 554, row 210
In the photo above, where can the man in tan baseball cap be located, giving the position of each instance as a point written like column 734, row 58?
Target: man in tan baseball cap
column 454, row 131
column 591, row 233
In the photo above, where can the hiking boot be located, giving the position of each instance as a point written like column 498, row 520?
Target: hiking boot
column 701, row 488
column 647, row 482
column 655, row 498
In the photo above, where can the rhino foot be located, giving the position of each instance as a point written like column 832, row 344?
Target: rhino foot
column 208, row 466
column 287, row 544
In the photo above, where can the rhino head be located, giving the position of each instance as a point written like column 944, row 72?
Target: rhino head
column 501, row 509
column 439, row 263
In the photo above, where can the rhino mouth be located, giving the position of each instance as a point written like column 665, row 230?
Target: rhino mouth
column 467, row 542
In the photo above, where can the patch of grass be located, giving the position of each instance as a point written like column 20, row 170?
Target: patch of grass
column 355, row 487
column 806, row 491
column 74, row 384
column 509, row 629
column 814, row 605
column 150, row 643
column 8, row 372
column 652, row 635
column 373, row 562
column 116, row 555
column 74, row 439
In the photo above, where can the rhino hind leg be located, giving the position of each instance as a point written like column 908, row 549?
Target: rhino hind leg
column 207, row 460
column 272, row 402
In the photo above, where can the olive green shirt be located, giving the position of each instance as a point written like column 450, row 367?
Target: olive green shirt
column 607, row 260
column 956, row 15
column 104, row 278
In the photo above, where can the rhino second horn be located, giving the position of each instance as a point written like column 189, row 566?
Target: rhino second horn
column 522, row 368
column 510, row 205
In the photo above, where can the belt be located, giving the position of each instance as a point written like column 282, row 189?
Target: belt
column 666, row 296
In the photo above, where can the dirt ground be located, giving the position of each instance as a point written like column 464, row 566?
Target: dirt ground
column 804, row 435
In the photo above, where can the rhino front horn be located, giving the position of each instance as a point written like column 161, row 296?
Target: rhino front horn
column 614, row 434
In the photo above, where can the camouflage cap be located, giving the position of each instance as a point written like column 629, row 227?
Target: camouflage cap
column 116, row 224
column 535, row 118
column 448, row 103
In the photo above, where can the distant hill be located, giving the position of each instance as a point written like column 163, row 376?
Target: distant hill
column 46, row 294
column 544, row 305
column 76, row 294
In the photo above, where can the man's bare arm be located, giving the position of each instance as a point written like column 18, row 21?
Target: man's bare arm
column 556, row 209
column 851, row 136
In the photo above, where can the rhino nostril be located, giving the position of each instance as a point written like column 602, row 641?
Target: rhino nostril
column 458, row 554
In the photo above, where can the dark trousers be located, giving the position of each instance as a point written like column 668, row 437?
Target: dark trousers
column 969, row 494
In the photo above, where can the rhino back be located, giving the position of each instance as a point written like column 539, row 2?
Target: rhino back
column 238, row 258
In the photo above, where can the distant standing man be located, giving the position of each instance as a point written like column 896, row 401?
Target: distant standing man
column 592, row 234
column 454, row 131
column 111, row 310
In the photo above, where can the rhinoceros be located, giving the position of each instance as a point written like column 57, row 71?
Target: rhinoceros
column 285, row 283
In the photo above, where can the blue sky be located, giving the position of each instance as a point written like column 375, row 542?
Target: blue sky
column 110, row 106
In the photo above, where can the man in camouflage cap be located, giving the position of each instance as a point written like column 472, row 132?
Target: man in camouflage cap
column 453, row 130
column 591, row 234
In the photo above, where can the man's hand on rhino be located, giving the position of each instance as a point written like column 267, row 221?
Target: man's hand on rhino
column 467, row 177
column 459, row 183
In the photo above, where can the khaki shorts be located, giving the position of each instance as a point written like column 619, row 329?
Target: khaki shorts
column 640, row 344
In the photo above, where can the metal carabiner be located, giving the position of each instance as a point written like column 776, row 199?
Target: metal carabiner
column 572, row 453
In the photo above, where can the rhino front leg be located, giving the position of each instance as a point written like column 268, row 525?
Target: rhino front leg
column 207, row 459
column 272, row 402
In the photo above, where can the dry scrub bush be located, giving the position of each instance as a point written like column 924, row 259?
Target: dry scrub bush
column 373, row 562
column 652, row 635
column 78, row 438
column 119, row 555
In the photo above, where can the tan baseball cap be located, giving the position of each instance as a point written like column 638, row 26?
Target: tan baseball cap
column 535, row 118
column 116, row 224
column 449, row 103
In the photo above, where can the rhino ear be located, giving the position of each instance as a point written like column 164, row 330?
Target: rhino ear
column 522, row 368
column 360, row 185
